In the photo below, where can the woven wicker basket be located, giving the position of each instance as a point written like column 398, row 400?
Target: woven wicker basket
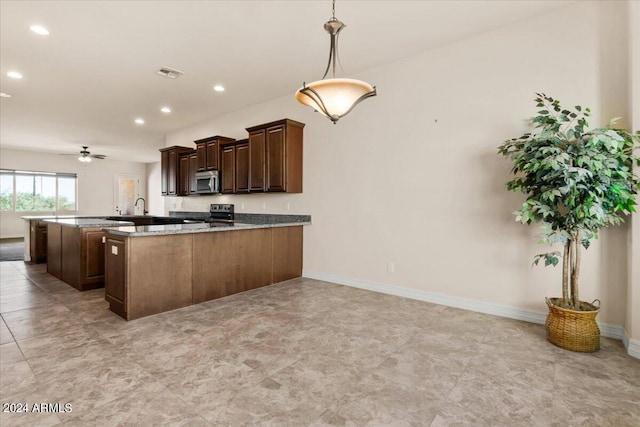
column 571, row 329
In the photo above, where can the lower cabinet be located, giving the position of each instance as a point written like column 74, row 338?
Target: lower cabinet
column 114, row 279
column 147, row 275
column 76, row 256
column 54, row 250
column 37, row 241
column 225, row 263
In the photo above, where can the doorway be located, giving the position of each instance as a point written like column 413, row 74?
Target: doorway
column 125, row 194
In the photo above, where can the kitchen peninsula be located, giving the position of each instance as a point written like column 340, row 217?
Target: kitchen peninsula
column 75, row 250
column 156, row 268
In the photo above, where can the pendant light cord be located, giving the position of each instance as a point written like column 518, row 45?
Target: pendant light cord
column 333, row 9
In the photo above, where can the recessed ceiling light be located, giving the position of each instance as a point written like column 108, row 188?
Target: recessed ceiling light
column 139, row 121
column 165, row 110
column 39, row 29
column 14, row 75
column 4, row 95
column 218, row 88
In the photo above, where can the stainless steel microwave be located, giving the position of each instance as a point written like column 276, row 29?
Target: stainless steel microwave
column 208, row 182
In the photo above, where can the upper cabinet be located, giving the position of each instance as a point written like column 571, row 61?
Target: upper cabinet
column 275, row 156
column 208, row 150
column 170, row 169
column 270, row 160
column 187, row 166
column 242, row 166
column 234, row 167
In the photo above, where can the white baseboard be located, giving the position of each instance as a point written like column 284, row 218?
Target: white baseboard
column 632, row 346
column 606, row 330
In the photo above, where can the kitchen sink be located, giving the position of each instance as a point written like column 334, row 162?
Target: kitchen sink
column 148, row 219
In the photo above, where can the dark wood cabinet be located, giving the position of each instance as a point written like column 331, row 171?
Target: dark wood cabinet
column 208, row 152
column 54, row 250
column 184, row 181
column 234, row 167
column 228, row 169
column 275, row 156
column 257, row 160
column 242, row 166
column 269, row 160
column 276, row 159
column 193, row 168
column 170, row 158
column 76, row 255
column 188, row 168
column 115, row 280
column 37, row 241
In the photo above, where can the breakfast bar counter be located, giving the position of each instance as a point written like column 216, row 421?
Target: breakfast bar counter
column 157, row 268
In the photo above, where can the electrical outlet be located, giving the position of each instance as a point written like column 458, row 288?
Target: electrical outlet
column 114, row 250
column 264, row 206
column 288, row 206
column 391, row 267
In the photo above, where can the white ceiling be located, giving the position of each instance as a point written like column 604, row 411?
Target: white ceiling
column 87, row 81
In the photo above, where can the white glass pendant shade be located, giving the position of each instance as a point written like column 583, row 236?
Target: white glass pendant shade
column 334, row 98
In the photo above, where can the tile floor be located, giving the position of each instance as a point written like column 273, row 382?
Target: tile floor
column 298, row 353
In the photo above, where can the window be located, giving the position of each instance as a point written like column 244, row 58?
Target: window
column 24, row 191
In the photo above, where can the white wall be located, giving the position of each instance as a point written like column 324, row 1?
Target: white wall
column 632, row 324
column 412, row 176
column 95, row 183
column 155, row 204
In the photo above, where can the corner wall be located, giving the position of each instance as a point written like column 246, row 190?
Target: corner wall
column 95, row 183
column 411, row 177
column 632, row 321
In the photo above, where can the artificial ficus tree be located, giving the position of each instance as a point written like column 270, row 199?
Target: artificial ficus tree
column 575, row 180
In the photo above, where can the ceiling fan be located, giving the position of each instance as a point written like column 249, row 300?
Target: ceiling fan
column 86, row 156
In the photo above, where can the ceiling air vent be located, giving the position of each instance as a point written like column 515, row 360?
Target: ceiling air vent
column 169, row 73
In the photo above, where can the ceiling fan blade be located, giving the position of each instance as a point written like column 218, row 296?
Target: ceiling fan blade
column 98, row 156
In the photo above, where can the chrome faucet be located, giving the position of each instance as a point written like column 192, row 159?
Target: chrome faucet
column 144, row 204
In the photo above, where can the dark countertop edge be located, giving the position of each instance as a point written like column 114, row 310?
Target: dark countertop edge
column 237, row 227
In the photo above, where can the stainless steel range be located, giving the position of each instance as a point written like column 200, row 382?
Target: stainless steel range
column 221, row 213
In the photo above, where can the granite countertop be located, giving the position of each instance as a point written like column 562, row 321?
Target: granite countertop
column 259, row 221
column 87, row 222
column 28, row 217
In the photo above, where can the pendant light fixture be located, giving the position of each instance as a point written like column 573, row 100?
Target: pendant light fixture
column 334, row 98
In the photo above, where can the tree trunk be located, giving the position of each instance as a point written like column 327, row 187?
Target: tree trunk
column 566, row 258
column 575, row 273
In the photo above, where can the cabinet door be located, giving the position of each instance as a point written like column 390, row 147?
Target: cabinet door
column 256, row 160
column 193, row 168
column 183, row 181
column 201, row 152
column 114, row 280
column 172, row 173
column 41, row 243
column 54, row 250
column 94, row 258
column 212, row 155
column 242, row 168
column 228, row 170
column 276, row 176
column 164, row 168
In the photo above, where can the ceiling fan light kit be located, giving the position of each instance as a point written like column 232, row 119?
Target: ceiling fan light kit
column 86, row 156
column 335, row 97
